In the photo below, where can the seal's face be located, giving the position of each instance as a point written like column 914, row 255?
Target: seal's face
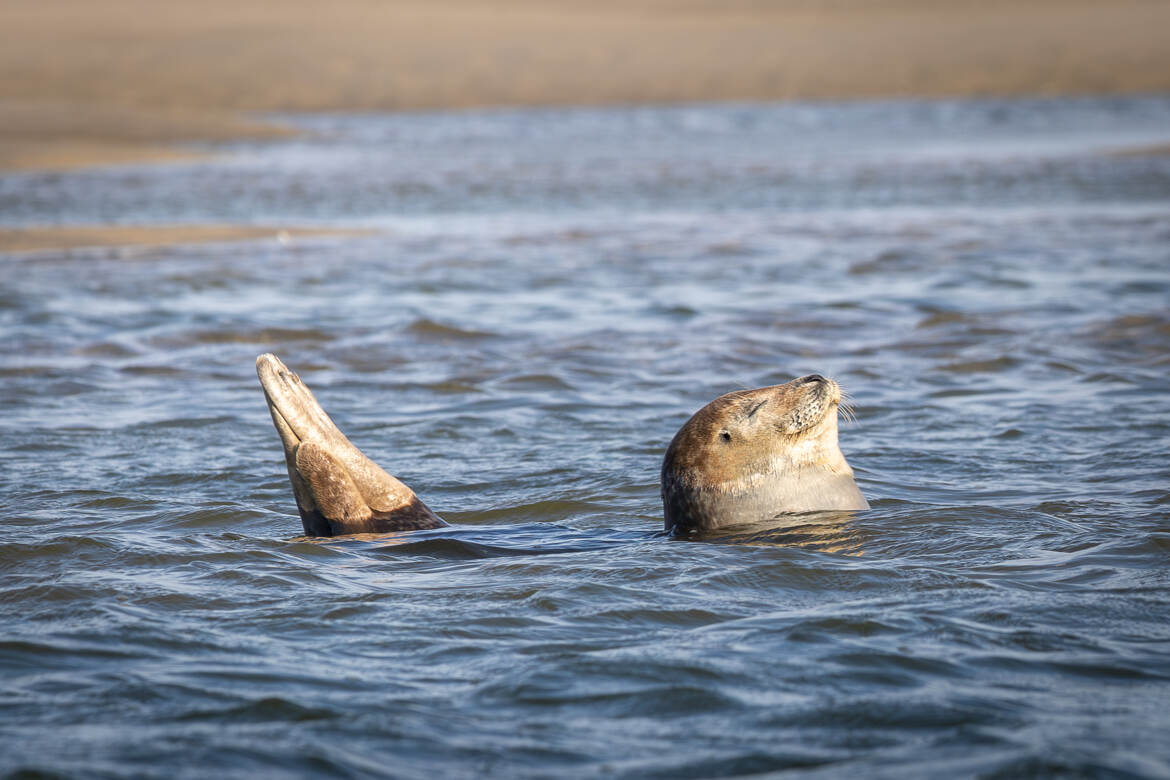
column 754, row 454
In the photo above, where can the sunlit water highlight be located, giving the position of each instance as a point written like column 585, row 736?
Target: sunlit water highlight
column 548, row 296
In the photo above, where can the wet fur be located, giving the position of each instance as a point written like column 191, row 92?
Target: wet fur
column 755, row 454
column 338, row 489
column 746, row 456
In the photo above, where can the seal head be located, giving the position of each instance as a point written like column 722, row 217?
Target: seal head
column 754, row 454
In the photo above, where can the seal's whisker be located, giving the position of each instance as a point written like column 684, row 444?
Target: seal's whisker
column 847, row 411
column 846, row 406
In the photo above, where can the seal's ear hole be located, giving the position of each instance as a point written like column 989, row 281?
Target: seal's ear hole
column 725, row 436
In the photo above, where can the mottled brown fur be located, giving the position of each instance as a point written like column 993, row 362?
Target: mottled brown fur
column 745, row 456
column 415, row 516
column 769, row 451
column 337, row 488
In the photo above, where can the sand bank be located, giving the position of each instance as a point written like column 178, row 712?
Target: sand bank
column 59, row 134
column 73, row 237
column 89, row 83
column 84, row 82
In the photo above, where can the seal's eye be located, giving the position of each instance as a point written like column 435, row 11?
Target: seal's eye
column 725, row 436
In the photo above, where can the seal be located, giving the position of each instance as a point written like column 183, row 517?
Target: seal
column 754, row 454
column 338, row 489
column 744, row 457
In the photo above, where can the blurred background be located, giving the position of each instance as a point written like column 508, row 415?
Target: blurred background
column 84, row 82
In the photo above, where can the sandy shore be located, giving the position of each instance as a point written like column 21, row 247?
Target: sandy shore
column 58, row 133
column 84, row 83
column 38, row 239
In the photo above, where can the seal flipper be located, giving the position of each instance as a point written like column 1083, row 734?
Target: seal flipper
column 332, row 490
column 337, row 488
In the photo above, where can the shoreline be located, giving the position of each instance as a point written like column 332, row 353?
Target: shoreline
column 62, row 135
column 37, row 152
column 32, row 240
column 135, row 80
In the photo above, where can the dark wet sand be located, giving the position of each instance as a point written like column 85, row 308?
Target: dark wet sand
column 37, row 239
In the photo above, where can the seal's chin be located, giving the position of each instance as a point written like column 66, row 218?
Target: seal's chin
column 814, row 445
column 822, row 433
column 817, row 401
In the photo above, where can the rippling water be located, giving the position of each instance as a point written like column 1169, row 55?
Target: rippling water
column 545, row 297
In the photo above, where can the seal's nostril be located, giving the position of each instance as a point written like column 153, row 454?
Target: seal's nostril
column 813, row 378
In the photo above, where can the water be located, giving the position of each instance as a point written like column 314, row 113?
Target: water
column 545, row 298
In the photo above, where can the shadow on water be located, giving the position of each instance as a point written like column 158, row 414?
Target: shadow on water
column 474, row 542
column 828, row 532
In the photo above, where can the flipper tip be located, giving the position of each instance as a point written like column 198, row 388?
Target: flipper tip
column 268, row 360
